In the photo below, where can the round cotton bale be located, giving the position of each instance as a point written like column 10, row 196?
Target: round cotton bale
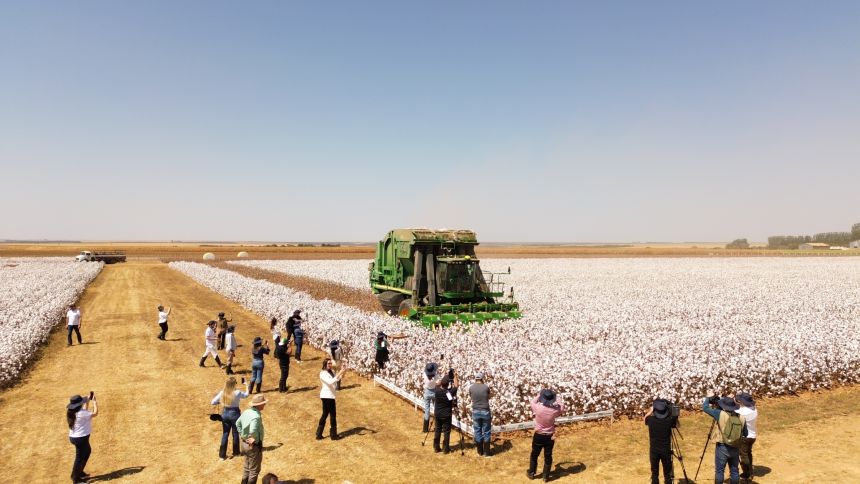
column 209, row 256
column 242, row 254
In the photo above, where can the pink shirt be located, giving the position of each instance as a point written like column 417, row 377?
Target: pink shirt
column 545, row 416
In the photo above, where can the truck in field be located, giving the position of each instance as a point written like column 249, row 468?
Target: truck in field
column 434, row 277
column 108, row 257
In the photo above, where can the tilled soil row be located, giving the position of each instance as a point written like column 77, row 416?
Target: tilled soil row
column 317, row 288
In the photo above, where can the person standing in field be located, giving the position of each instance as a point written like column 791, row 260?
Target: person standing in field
column 328, row 393
column 546, row 410
column 382, row 349
column 162, row 321
column 748, row 411
column 230, row 347
column 298, row 334
column 291, row 324
column 479, row 393
column 229, row 398
column 79, row 416
column 282, row 353
column 73, row 323
column 250, row 425
column 429, row 392
column 211, row 342
column 257, row 353
column 223, row 323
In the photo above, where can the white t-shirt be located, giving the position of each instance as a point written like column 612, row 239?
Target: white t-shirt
column 211, row 339
column 750, row 414
column 83, row 424
column 230, row 342
column 162, row 317
column 74, row 317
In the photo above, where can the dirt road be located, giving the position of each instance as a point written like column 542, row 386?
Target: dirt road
column 154, row 403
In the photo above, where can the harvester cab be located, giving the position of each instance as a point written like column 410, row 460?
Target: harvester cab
column 434, row 277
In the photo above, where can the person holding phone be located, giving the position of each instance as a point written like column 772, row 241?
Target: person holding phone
column 79, row 416
column 257, row 353
column 229, row 399
column 162, row 321
column 328, row 393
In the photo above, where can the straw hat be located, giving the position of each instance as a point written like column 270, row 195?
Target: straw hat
column 259, row 400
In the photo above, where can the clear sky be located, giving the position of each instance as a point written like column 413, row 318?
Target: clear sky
column 339, row 120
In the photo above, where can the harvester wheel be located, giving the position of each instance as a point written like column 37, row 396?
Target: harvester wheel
column 390, row 301
column 405, row 308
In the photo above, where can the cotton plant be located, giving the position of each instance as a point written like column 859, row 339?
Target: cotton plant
column 34, row 296
column 607, row 333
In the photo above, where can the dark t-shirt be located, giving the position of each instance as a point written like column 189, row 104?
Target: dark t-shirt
column 660, row 431
column 444, row 406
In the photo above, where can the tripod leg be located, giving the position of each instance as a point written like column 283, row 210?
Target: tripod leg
column 704, row 450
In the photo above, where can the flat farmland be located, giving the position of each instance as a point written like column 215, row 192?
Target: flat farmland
column 154, row 403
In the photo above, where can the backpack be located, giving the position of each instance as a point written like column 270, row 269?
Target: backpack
column 731, row 428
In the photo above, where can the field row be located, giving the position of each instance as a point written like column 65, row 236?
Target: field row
column 614, row 333
column 34, row 296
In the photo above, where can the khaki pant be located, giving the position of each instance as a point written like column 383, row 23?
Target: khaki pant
column 253, row 462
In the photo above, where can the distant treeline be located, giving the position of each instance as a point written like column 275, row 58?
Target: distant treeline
column 831, row 238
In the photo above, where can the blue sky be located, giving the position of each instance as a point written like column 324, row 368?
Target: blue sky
column 525, row 121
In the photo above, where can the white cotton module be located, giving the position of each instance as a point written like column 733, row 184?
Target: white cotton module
column 209, row 256
column 242, row 254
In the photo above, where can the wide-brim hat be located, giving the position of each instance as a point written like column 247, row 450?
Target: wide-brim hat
column 259, row 400
column 297, row 312
column 728, row 404
column 430, row 369
column 547, row 397
column 746, row 399
column 258, row 341
column 75, row 402
column 661, row 408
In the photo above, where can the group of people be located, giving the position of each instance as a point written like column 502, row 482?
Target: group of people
column 734, row 429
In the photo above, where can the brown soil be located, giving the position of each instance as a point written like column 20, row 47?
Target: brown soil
column 153, row 426
column 318, row 288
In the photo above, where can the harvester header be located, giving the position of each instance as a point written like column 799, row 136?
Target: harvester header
column 433, row 276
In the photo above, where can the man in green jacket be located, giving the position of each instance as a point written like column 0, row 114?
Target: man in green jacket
column 250, row 425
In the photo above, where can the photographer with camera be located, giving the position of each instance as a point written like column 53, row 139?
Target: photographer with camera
column 660, row 421
column 79, row 416
column 546, row 410
column 429, row 391
column 229, row 399
column 731, row 428
column 445, row 396
column 748, row 411
column 479, row 393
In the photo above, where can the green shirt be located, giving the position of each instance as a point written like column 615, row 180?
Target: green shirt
column 250, row 424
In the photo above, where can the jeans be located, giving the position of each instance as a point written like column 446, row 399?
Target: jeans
column 443, row 427
column 77, row 331
column 541, row 442
column 657, row 456
column 481, row 424
column 82, row 455
column 163, row 330
column 228, row 425
column 746, row 457
column 300, row 336
column 257, row 371
column 329, row 408
column 285, row 372
column 429, row 397
column 726, row 455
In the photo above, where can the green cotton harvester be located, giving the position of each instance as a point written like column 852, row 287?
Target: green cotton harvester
column 433, row 276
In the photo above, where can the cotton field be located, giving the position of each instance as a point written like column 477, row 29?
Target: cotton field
column 34, row 296
column 612, row 333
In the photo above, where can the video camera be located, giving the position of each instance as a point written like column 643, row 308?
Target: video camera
column 714, row 401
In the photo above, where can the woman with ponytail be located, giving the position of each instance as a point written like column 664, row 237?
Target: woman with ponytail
column 79, row 416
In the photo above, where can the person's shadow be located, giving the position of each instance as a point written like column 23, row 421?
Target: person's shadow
column 347, row 387
column 128, row 471
column 759, row 471
column 563, row 469
column 356, row 431
column 303, row 480
column 299, row 390
column 270, row 448
column 501, row 449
